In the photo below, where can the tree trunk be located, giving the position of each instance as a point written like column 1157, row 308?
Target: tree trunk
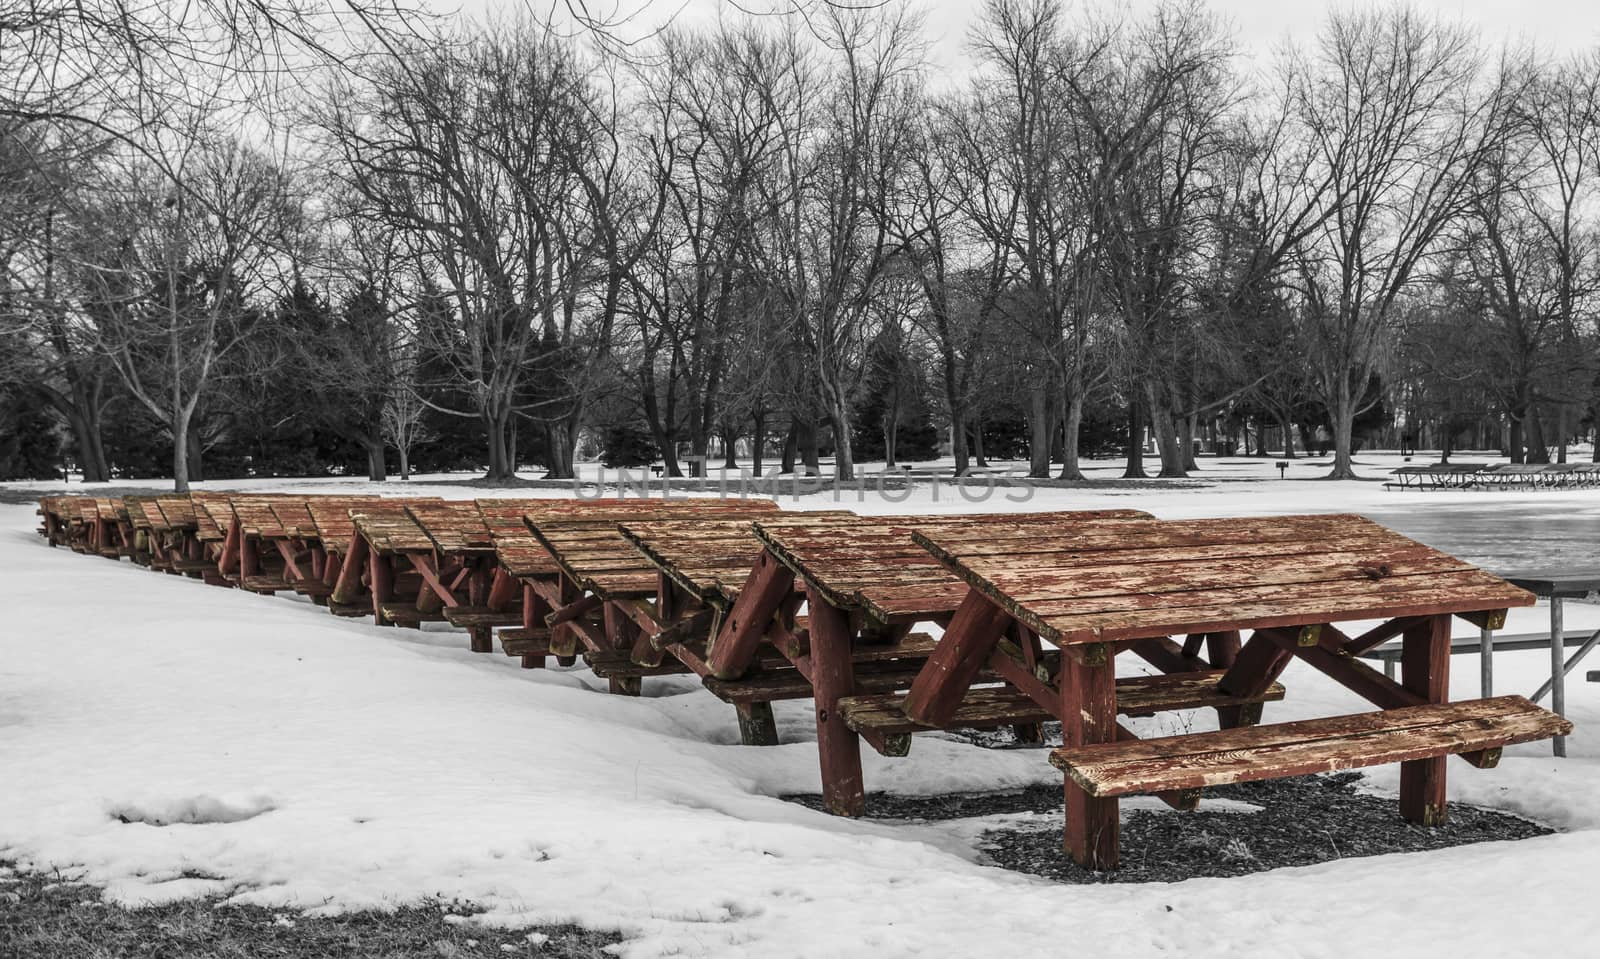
column 1135, row 468
column 1538, row 448
column 958, row 433
column 807, row 439
column 891, row 428
column 196, row 463
column 1186, row 436
column 494, row 426
column 86, row 441
column 844, row 462
column 1344, row 415
column 377, row 470
column 730, row 440
column 405, row 460
column 1071, row 425
column 758, row 441
column 180, row 453
column 559, row 440
column 1039, row 434
column 1168, row 444
column 791, row 446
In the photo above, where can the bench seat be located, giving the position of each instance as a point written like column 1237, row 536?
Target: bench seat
column 467, row 616
column 991, row 706
column 407, row 613
column 523, row 641
column 618, row 664
column 1247, row 754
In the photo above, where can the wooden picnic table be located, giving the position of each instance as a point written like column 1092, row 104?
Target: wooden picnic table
column 703, row 567
column 378, row 569
column 583, row 600
column 866, row 586
column 1116, row 587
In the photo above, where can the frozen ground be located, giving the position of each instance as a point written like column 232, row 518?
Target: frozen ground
column 165, row 740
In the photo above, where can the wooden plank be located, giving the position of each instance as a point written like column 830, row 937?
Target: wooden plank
column 943, row 681
column 1308, row 746
column 1204, row 576
column 987, row 707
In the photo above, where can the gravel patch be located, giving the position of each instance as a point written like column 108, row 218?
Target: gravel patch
column 1298, row 822
column 43, row 916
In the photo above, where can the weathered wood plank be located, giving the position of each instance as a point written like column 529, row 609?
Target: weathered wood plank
column 1308, row 746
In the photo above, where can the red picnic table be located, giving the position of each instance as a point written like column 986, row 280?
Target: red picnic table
column 1108, row 588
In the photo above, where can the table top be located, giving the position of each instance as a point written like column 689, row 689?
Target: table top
column 294, row 518
column 873, row 563
column 331, row 515
column 453, row 526
column 1566, row 583
column 712, row 559
column 594, row 553
column 1150, row 578
column 213, row 514
column 388, row 528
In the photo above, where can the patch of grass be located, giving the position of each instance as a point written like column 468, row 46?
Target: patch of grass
column 42, row 917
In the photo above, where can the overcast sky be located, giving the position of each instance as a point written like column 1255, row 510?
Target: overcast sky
column 1556, row 25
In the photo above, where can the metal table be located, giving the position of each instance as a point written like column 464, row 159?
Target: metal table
column 1558, row 586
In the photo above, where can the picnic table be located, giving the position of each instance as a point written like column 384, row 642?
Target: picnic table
column 866, row 585
column 335, row 531
column 581, row 600
column 1113, row 586
column 380, row 564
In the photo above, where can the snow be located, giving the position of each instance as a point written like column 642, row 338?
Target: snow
column 164, row 740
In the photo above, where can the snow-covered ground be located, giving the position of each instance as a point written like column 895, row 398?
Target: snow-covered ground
column 166, row 739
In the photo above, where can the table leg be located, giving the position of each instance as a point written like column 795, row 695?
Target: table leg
column 1425, row 670
column 534, row 610
column 1558, row 669
column 832, row 677
column 380, row 578
column 1089, row 715
column 1486, row 662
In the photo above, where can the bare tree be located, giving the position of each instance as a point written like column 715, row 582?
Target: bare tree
column 1396, row 109
column 169, row 273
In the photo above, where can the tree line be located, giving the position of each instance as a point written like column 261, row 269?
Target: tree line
column 229, row 246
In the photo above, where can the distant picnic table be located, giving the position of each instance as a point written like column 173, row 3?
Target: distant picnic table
column 1440, row 476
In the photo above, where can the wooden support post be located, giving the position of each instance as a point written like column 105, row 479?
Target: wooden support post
column 563, row 638
column 833, row 678
column 1257, row 666
column 757, row 727
column 1425, row 671
column 621, row 632
column 502, row 589
column 1089, row 715
column 1222, row 649
column 380, row 579
column 944, row 679
column 534, row 609
column 348, row 587
column 230, row 549
column 478, row 595
column 735, row 644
